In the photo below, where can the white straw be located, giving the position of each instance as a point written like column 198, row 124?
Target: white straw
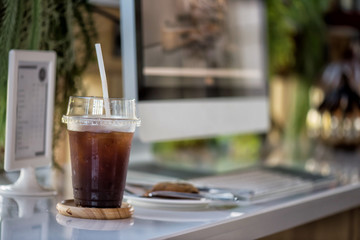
column 103, row 78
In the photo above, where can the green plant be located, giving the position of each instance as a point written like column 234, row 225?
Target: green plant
column 297, row 48
column 297, row 45
column 63, row 26
column 296, row 36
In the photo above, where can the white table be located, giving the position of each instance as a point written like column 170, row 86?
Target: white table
column 243, row 222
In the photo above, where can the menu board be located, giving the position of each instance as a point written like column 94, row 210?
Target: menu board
column 31, row 107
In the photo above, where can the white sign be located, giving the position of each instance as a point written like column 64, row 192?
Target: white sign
column 29, row 118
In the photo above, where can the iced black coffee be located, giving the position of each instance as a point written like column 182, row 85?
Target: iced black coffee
column 99, row 147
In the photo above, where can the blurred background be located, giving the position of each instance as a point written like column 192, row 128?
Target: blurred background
column 313, row 78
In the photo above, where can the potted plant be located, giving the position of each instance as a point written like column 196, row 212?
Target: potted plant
column 65, row 27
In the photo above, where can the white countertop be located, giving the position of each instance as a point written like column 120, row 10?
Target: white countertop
column 242, row 222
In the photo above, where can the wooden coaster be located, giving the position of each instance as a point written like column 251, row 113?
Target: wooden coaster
column 68, row 208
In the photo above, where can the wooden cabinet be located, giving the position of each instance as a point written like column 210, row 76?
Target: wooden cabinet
column 342, row 226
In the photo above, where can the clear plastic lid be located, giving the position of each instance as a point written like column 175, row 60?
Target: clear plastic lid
column 97, row 111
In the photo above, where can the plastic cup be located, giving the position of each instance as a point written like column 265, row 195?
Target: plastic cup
column 99, row 147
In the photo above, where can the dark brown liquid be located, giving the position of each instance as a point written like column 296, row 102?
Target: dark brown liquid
column 99, row 165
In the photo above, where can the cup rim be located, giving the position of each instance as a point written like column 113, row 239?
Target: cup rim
column 101, row 119
column 98, row 120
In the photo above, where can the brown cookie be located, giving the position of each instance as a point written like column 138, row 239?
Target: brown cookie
column 175, row 187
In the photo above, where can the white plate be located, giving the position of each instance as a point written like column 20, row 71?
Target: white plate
column 169, row 215
column 167, row 203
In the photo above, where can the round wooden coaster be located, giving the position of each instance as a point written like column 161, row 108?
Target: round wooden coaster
column 68, row 208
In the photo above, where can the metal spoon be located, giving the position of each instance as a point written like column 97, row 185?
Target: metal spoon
column 197, row 196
